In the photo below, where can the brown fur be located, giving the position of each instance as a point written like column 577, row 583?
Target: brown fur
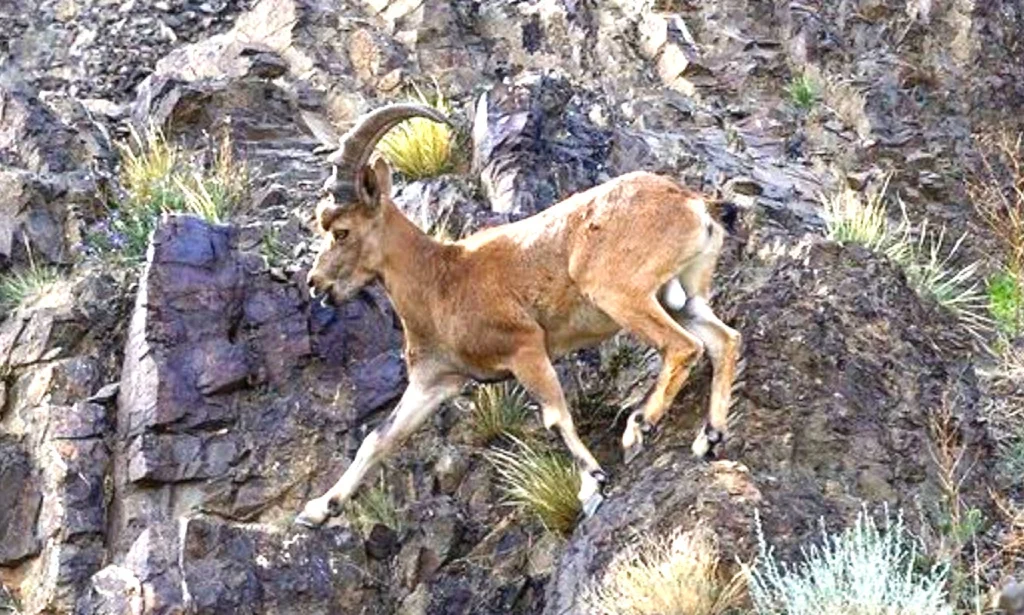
column 508, row 300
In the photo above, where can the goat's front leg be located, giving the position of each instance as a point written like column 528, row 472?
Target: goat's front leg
column 424, row 394
column 532, row 368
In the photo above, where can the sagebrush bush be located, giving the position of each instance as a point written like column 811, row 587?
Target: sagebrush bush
column 499, row 410
column 676, row 574
column 17, row 287
column 420, row 147
column 864, row 570
column 542, row 482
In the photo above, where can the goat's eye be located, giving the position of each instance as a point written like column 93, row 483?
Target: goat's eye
column 340, row 234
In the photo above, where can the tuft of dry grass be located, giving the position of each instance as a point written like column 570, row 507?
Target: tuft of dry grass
column 677, row 574
column 544, row 483
column 374, row 506
column 922, row 254
column 499, row 410
column 17, row 287
column 159, row 177
column 420, row 147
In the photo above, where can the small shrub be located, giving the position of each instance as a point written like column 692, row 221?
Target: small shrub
column 158, row 177
column 273, row 251
column 374, row 506
column 673, row 575
column 18, row 287
column 420, row 147
column 544, row 483
column 499, row 410
column 803, row 92
column 1006, row 302
column 862, row 571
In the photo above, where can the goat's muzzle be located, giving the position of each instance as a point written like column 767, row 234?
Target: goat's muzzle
column 319, row 291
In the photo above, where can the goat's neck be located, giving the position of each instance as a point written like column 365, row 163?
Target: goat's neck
column 412, row 266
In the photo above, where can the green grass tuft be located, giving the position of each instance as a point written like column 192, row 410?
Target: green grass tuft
column 18, row 287
column 420, row 147
column 1006, row 302
column 374, row 506
column 803, row 92
column 543, row 483
column 499, row 410
column 862, row 571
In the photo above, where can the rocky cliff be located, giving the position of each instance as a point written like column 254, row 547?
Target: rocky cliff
column 161, row 425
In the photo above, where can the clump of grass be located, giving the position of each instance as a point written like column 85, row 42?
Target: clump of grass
column 420, row 147
column 922, row 254
column 499, row 410
column 1006, row 302
column 802, row 91
column 273, row 251
column 544, row 483
column 159, row 177
column 673, row 575
column 862, row 571
column 17, row 287
column 374, row 506
column 1011, row 454
column 849, row 218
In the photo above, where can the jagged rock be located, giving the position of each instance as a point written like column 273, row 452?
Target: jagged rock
column 533, row 143
column 857, row 386
column 19, row 506
column 231, row 569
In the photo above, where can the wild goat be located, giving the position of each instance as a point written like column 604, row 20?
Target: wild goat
column 635, row 253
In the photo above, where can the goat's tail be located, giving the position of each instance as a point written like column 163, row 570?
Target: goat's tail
column 725, row 212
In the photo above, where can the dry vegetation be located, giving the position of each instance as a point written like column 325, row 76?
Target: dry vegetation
column 159, row 177
column 678, row 574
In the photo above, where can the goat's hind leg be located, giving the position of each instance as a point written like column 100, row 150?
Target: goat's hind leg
column 679, row 349
column 421, row 398
column 721, row 342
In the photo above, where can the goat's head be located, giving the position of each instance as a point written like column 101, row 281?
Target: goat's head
column 349, row 213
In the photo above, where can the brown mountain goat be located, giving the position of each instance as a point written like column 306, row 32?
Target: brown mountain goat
column 635, row 253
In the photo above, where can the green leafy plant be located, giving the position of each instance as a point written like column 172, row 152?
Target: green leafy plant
column 499, row 410
column 676, row 574
column 541, row 482
column 17, row 287
column 802, row 91
column 419, row 147
column 1006, row 302
column 862, row 571
column 374, row 506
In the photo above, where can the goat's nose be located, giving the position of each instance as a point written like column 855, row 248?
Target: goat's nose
column 313, row 281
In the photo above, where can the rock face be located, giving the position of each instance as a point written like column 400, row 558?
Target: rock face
column 160, row 428
column 826, row 419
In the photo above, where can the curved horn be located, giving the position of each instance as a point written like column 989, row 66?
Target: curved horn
column 357, row 144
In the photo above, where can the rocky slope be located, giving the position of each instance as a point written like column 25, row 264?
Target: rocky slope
column 159, row 428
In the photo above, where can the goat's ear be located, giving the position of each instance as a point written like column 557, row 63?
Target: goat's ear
column 376, row 180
